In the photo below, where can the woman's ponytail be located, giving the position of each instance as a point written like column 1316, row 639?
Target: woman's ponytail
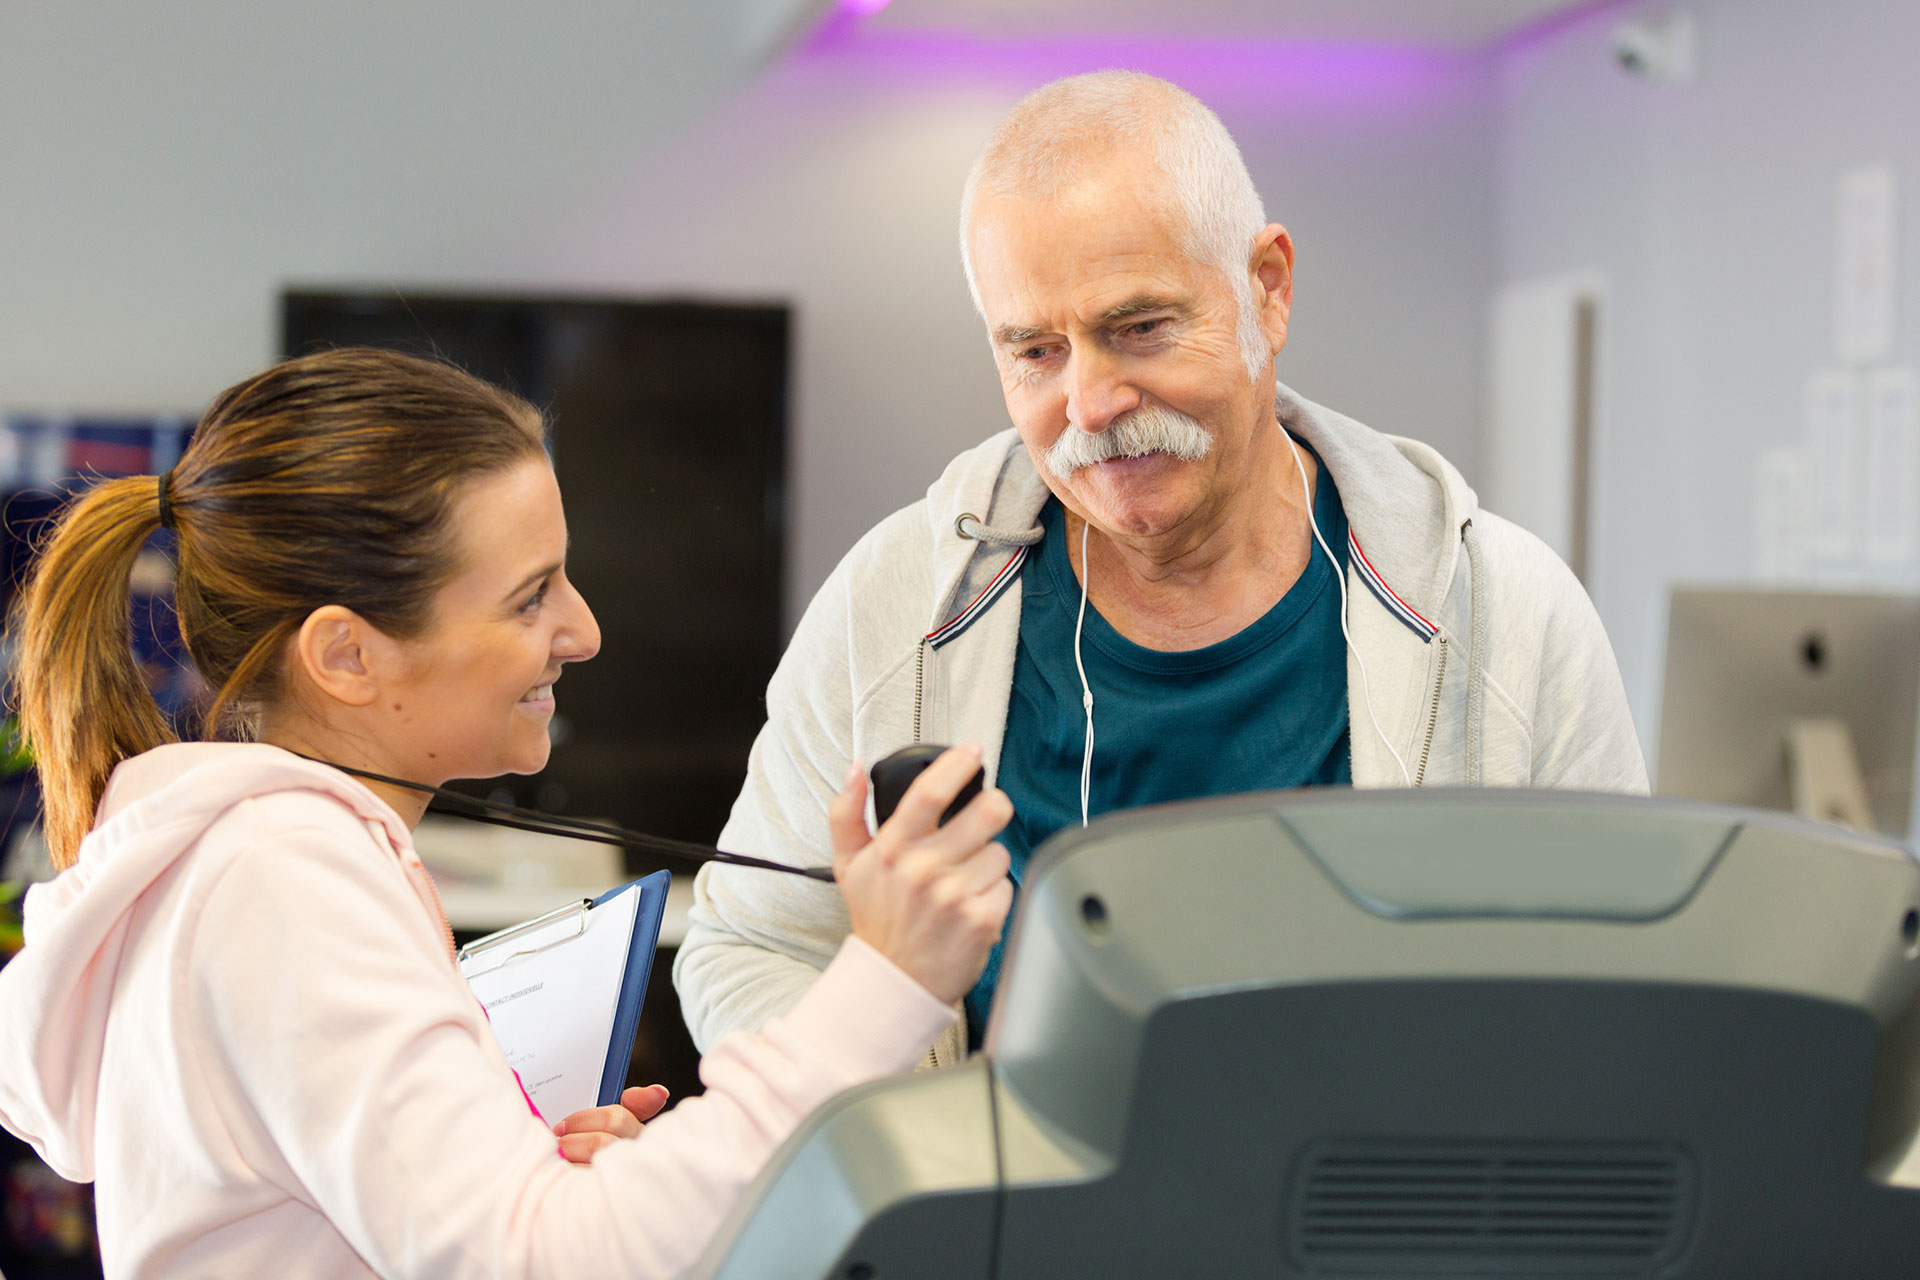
column 327, row 480
column 77, row 685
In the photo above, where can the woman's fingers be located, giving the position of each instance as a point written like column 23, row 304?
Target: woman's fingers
column 930, row 898
column 587, row 1132
column 941, row 873
column 614, row 1121
column 985, row 817
column 984, row 869
column 644, row 1101
column 580, row 1148
column 995, row 904
column 918, row 813
column 847, row 814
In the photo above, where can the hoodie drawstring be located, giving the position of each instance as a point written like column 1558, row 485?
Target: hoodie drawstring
column 970, row 526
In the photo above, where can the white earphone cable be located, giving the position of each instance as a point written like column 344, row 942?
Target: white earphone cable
column 1341, row 579
column 1086, row 690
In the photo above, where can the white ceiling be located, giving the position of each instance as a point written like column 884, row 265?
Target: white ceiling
column 1451, row 24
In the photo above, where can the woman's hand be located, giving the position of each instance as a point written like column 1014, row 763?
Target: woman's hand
column 931, row 899
column 584, row 1133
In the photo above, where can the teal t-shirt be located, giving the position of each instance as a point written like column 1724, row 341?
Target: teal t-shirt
column 1263, row 709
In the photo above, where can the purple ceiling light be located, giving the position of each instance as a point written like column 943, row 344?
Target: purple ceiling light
column 1353, row 73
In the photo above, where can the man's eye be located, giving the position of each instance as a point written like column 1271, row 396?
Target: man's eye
column 1140, row 328
column 1032, row 353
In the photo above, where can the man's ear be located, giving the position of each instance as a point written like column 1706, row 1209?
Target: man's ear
column 341, row 655
column 1272, row 268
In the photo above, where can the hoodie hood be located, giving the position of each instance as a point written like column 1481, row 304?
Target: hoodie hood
column 1405, row 504
column 56, row 994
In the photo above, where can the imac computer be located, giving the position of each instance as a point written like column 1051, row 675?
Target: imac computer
column 1397, row 1034
column 1805, row 701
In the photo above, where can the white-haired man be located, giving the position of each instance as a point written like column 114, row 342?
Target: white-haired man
column 1145, row 590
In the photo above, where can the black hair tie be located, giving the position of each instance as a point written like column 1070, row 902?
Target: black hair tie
column 166, row 499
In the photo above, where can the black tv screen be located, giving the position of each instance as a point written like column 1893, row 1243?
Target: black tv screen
column 668, row 429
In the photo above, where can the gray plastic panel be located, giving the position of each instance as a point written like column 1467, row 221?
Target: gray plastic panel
column 868, row 1184
column 1638, row 865
column 1202, row 1000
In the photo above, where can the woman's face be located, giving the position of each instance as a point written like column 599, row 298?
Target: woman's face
column 474, row 693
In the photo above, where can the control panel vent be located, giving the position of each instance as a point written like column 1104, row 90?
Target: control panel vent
column 1447, row 1207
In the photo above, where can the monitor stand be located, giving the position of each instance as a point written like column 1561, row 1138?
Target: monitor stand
column 1825, row 773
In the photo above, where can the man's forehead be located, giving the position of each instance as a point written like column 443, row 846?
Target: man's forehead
column 1130, row 192
column 1040, row 277
column 1101, row 245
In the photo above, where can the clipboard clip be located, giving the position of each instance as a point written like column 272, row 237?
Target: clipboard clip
column 505, row 937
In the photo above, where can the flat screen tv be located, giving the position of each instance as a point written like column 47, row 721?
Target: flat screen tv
column 668, row 433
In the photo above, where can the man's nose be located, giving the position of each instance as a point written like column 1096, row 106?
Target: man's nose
column 1098, row 390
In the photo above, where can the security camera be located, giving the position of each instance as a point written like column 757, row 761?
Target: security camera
column 1636, row 48
column 1660, row 50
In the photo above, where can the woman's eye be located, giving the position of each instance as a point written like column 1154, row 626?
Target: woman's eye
column 535, row 600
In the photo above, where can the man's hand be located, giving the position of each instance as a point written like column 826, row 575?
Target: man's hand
column 584, row 1133
column 932, row 899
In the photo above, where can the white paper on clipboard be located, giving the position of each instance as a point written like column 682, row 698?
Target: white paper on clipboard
column 551, row 988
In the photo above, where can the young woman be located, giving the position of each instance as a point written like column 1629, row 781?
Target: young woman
column 237, row 1010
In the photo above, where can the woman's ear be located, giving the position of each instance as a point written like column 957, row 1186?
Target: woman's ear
column 339, row 652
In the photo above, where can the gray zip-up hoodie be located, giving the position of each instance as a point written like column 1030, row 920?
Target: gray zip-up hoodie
column 1485, row 665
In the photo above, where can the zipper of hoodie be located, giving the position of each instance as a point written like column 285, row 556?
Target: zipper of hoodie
column 919, row 684
column 932, row 1060
column 1433, row 713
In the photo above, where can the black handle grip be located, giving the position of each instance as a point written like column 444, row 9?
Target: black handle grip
column 893, row 775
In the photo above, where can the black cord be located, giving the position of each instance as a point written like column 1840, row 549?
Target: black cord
column 474, row 809
column 1000, row 1191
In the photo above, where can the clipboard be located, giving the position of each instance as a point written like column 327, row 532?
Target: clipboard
column 564, row 991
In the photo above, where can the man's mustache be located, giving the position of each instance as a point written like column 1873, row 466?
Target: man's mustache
column 1148, row 429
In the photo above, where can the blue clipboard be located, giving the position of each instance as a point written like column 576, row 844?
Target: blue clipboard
column 538, row 935
column 633, row 988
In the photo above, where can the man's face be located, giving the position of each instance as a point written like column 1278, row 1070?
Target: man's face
column 1096, row 313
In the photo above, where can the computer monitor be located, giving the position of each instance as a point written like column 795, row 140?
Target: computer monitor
column 1758, row 683
column 669, row 437
column 1339, row 1033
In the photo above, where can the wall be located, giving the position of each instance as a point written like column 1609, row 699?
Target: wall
column 1710, row 211
column 835, row 180
column 167, row 168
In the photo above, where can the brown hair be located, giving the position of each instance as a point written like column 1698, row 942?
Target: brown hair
column 325, row 480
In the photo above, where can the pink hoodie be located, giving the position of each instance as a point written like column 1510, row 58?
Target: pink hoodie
column 238, row 1015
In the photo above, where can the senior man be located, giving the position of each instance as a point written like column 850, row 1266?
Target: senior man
column 1172, row 578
